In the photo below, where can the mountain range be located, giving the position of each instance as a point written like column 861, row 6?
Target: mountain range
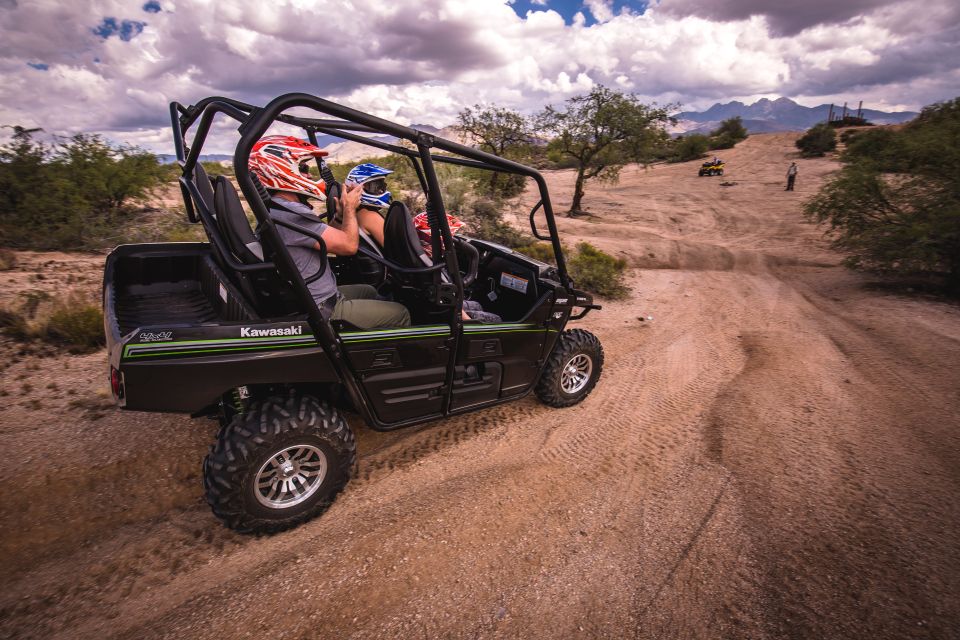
column 782, row 114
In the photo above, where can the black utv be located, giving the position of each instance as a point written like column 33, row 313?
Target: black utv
column 228, row 328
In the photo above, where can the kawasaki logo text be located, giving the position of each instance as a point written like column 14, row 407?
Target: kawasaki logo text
column 247, row 332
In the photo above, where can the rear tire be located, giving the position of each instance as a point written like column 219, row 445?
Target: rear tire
column 279, row 464
column 573, row 369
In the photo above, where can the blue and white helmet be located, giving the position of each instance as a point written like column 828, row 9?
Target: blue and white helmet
column 373, row 180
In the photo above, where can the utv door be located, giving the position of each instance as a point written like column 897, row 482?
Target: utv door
column 402, row 371
column 501, row 360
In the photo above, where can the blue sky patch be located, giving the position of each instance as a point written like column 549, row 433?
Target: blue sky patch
column 569, row 8
column 39, row 66
column 127, row 30
column 152, row 7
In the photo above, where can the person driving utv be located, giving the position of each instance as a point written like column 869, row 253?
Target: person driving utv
column 281, row 164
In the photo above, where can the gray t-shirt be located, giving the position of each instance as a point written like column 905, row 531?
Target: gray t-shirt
column 301, row 247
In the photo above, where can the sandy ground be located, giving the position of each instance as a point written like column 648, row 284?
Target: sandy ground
column 775, row 455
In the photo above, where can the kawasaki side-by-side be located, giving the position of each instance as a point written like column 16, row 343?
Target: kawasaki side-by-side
column 228, row 329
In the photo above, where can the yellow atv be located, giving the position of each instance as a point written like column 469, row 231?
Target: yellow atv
column 712, row 168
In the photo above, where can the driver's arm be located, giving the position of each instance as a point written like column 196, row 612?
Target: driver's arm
column 345, row 240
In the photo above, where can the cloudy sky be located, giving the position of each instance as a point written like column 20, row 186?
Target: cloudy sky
column 112, row 67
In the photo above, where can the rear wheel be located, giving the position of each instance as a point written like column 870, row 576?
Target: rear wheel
column 573, row 369
column 278, row 464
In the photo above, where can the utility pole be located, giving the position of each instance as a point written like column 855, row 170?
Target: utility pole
column 860, row 110
column 830, row 115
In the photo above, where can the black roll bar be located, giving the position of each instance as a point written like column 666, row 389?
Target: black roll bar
column 344, row 118
column 310, row 234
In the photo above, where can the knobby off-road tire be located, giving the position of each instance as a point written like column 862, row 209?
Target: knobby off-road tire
column 573, row 369
column 278, row 464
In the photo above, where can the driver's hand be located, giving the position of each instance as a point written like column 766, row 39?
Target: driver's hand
column 350, row 199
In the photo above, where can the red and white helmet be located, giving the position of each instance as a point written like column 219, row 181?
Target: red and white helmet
column 281, row 164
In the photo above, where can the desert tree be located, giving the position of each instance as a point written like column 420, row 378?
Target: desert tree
column 500, row 131
column 601, row 131
column 895, row 204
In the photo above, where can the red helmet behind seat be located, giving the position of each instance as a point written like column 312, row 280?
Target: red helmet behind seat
column 281, row 164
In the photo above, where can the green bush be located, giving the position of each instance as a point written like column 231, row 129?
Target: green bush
column 730, row 132
column 72, row 322
column 895, row 205
column 485, row 221
column 76, row 324
column 598, row 272
column 689, row 147
column 725, row 141
column 542, row 251
column 215, row 169
column 71, row 195
column 817, row 141
column 591, row 269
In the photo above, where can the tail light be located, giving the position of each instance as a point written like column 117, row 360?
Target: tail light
column 116, row 383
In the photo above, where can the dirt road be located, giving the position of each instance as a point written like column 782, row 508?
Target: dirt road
column 774, row 455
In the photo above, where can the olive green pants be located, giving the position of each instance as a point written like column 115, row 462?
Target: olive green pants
column 359, row 306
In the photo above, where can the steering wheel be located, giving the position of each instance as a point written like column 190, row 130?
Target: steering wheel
column 470, row 252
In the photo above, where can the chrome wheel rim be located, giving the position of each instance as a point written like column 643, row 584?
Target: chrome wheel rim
column 290, row 476
column 576, row 373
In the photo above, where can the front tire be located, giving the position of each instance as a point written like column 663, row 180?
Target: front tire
column 573, row 369
column 279, row 464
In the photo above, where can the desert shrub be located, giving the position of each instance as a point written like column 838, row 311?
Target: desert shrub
column 689, row 147
column 485, row 221
column 72, row 194
column 895, row 205
column 215, row 169
column 730, row 132
column 591, row 269
column 876, row 146
column 598, row 271
column 72, row 322
column 817, row 141
column 77, row 324
column 542, row 251
column 8, row 259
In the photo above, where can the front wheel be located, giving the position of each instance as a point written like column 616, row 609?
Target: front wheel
column 573, row 369
column 278, row 464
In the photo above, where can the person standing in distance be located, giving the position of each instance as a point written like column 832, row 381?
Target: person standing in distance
column 791, row 176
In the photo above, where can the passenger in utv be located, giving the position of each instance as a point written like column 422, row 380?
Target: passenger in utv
column 281, row 164
column 373, row 199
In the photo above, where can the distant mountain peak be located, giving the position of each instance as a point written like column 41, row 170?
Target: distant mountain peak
column 780, row 114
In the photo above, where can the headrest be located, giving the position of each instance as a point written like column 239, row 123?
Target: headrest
column 233, row 223
column 204, row 186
